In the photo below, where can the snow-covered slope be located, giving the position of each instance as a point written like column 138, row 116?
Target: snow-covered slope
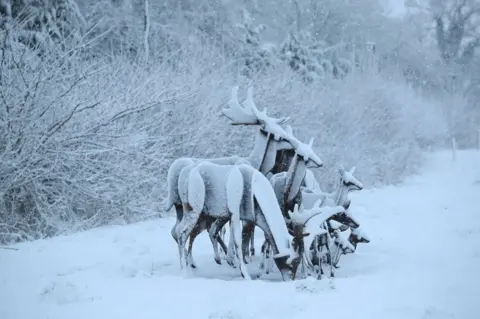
column 423, row 262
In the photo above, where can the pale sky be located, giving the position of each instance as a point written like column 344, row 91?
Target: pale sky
column 396, row 7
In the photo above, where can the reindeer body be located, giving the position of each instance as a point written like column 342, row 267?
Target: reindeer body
column 174, row 171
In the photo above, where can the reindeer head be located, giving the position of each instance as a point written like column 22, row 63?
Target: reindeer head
column 297, row 223
column 357, row 236
column 348, row 180
column 302, row 150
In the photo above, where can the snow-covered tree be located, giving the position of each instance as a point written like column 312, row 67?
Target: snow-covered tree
column 42, row 22
column 256, row 54
column 312, row 59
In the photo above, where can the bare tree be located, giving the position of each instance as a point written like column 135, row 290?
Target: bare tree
column 457, row 29
column 146, row 29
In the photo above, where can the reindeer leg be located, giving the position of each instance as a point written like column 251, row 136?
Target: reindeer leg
column 184, row 229
column 247, row 235
column 221, row 239
column 319, row 254
column 199, row 227
column 214, row 238
column 222, row 243
column 236, row 233
column 261, row 268
column 179, row 213
column 230, row 258
column 269, row 259
column 252, row 242
column 329, row 254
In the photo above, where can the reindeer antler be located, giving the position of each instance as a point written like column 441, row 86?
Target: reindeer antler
column 288, row 129
column 306, row 150
column 348, row 177
column 237, row 113
column 248, row 114
column 301, row 218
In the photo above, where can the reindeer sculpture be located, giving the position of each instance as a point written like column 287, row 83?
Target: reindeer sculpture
column 320, row 247
column 288, row 187
column 234, row 193
column 269, row 140
column 299, row 222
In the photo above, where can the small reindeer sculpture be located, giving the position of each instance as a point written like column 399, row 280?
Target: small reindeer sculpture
column 299, row 224
column 320, row 247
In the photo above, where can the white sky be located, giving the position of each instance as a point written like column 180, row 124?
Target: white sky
column 394, row 7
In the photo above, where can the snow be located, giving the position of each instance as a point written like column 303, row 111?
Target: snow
column 133, row 271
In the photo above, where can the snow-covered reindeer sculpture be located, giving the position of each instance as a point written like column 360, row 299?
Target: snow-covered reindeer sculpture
column 320, row 248
column 288, row 186
column 269, row 141
column 304, row 157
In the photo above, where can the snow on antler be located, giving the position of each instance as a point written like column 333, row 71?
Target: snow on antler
column 301, row 218
column 304, row 150
column 238, row 114
column 348, row 177
column 247, row 113
column 262, row 115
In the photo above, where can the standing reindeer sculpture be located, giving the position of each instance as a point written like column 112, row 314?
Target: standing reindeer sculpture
column 304, row 157
column 269, row 140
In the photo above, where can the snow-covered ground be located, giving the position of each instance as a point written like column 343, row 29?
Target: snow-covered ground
column 423, row 262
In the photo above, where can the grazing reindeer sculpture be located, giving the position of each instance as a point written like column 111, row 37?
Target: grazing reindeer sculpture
column 313, row 232
column 287, row 185
column 234, row 193
column 269, row 140
column 320, row 247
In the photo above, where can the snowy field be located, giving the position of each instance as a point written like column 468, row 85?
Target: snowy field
column 423, row 262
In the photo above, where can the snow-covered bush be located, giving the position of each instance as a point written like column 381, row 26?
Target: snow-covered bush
column 40, row 23
column 312, row 59
column 257, row 55
column 87, row 143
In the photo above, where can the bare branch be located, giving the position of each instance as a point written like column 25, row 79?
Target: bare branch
column 57, row 126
